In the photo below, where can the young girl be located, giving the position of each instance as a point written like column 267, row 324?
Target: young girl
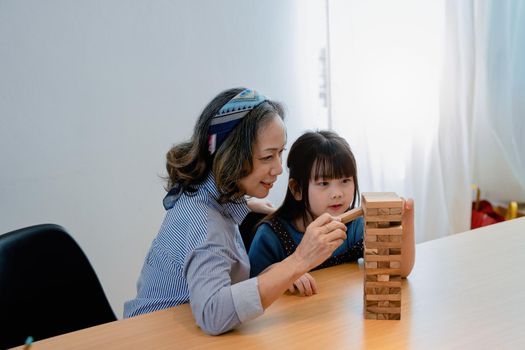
column 323, row 179
column 198, row 255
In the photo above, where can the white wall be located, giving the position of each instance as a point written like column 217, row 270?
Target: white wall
column 93, row 93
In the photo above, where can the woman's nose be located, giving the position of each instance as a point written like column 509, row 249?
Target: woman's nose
column 277, row 168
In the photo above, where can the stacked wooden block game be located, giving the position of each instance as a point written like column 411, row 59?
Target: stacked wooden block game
column 382, row 255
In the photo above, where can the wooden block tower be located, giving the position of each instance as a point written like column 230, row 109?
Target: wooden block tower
column 382, row 255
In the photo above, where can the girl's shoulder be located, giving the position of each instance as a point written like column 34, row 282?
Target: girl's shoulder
column 357, row 223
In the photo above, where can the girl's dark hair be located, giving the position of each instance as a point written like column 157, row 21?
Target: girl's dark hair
column 189, row 163
column 321, row 154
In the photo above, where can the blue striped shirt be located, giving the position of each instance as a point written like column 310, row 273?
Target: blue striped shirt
column 198, row 257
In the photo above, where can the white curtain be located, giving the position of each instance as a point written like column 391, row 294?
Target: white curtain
column 430, row 95
column 386, row 60
column 499, row 99
column 481, row 137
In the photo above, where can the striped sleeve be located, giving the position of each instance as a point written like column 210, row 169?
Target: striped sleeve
column 216, row 303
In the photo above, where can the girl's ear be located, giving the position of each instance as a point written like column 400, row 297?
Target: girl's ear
column 294, row 188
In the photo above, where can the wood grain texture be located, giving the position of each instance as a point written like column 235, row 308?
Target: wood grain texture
column 465, row 292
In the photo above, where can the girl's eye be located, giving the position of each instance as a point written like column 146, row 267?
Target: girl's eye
column 349, row 180
column 323, row 183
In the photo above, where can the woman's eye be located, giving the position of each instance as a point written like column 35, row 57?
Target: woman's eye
column 267, row 158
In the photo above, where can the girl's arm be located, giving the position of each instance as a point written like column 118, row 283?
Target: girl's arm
column 408, row 247
column 265, row 250
column 321, row 238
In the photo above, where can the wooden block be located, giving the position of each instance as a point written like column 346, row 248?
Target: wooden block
column 383, row 251
column 391, row 231
column 381, row 200
column 351, row 215
column 384, row 211
column 383, row 264
column 382, row 297
column 371, row 303
column 395, row 211
column 371, row 251
column 391, row 284
column 384, row 245
column 395, row 238
column 384, row 310
column 373, row 291
column 393, row 290
column 370, row 278
column 383, row 218
column 373, row 211
column 393, row 264
column 383, row 258
column 383, row 278
column 370, row 315
column 370, row 238
column 392, row 250
column 383, row 271
column 371, row 264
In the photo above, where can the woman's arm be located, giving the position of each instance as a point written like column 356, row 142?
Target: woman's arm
column 321, row 238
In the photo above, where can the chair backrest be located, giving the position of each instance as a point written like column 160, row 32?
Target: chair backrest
column 47, row 286
column 248, row 226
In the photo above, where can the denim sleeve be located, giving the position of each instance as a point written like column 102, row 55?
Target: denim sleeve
column 265, row 250
column 355, row 232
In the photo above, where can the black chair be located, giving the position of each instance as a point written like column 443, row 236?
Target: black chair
column 248, row 226
column 47, row 286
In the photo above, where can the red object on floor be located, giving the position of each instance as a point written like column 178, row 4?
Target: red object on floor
column 484, row 215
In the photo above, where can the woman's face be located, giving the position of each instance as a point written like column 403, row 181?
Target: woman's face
column 267, row 161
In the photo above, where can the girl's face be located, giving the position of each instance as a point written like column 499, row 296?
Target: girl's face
column 332, row 196
column 267, row 161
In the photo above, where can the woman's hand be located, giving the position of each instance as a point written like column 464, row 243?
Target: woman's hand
column 304, row 285
column 321, row 238
column 324, row 235
column 262, row 206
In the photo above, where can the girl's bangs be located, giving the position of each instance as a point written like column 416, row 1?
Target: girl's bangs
column 337, row 165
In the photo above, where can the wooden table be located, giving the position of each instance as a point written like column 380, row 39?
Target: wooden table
column 467, row 291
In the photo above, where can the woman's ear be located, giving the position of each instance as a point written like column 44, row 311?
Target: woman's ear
column 294, row 188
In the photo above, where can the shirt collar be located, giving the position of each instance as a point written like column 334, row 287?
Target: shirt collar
column 237, row 209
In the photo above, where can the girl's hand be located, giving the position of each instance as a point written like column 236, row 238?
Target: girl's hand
column 321, row 238
column 408, row 214
column 408, row 246
column 262, row 206
column 304, row 285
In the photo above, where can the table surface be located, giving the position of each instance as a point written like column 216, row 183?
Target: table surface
column 466, row 292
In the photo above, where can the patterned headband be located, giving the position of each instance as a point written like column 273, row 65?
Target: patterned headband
column 230, row 115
